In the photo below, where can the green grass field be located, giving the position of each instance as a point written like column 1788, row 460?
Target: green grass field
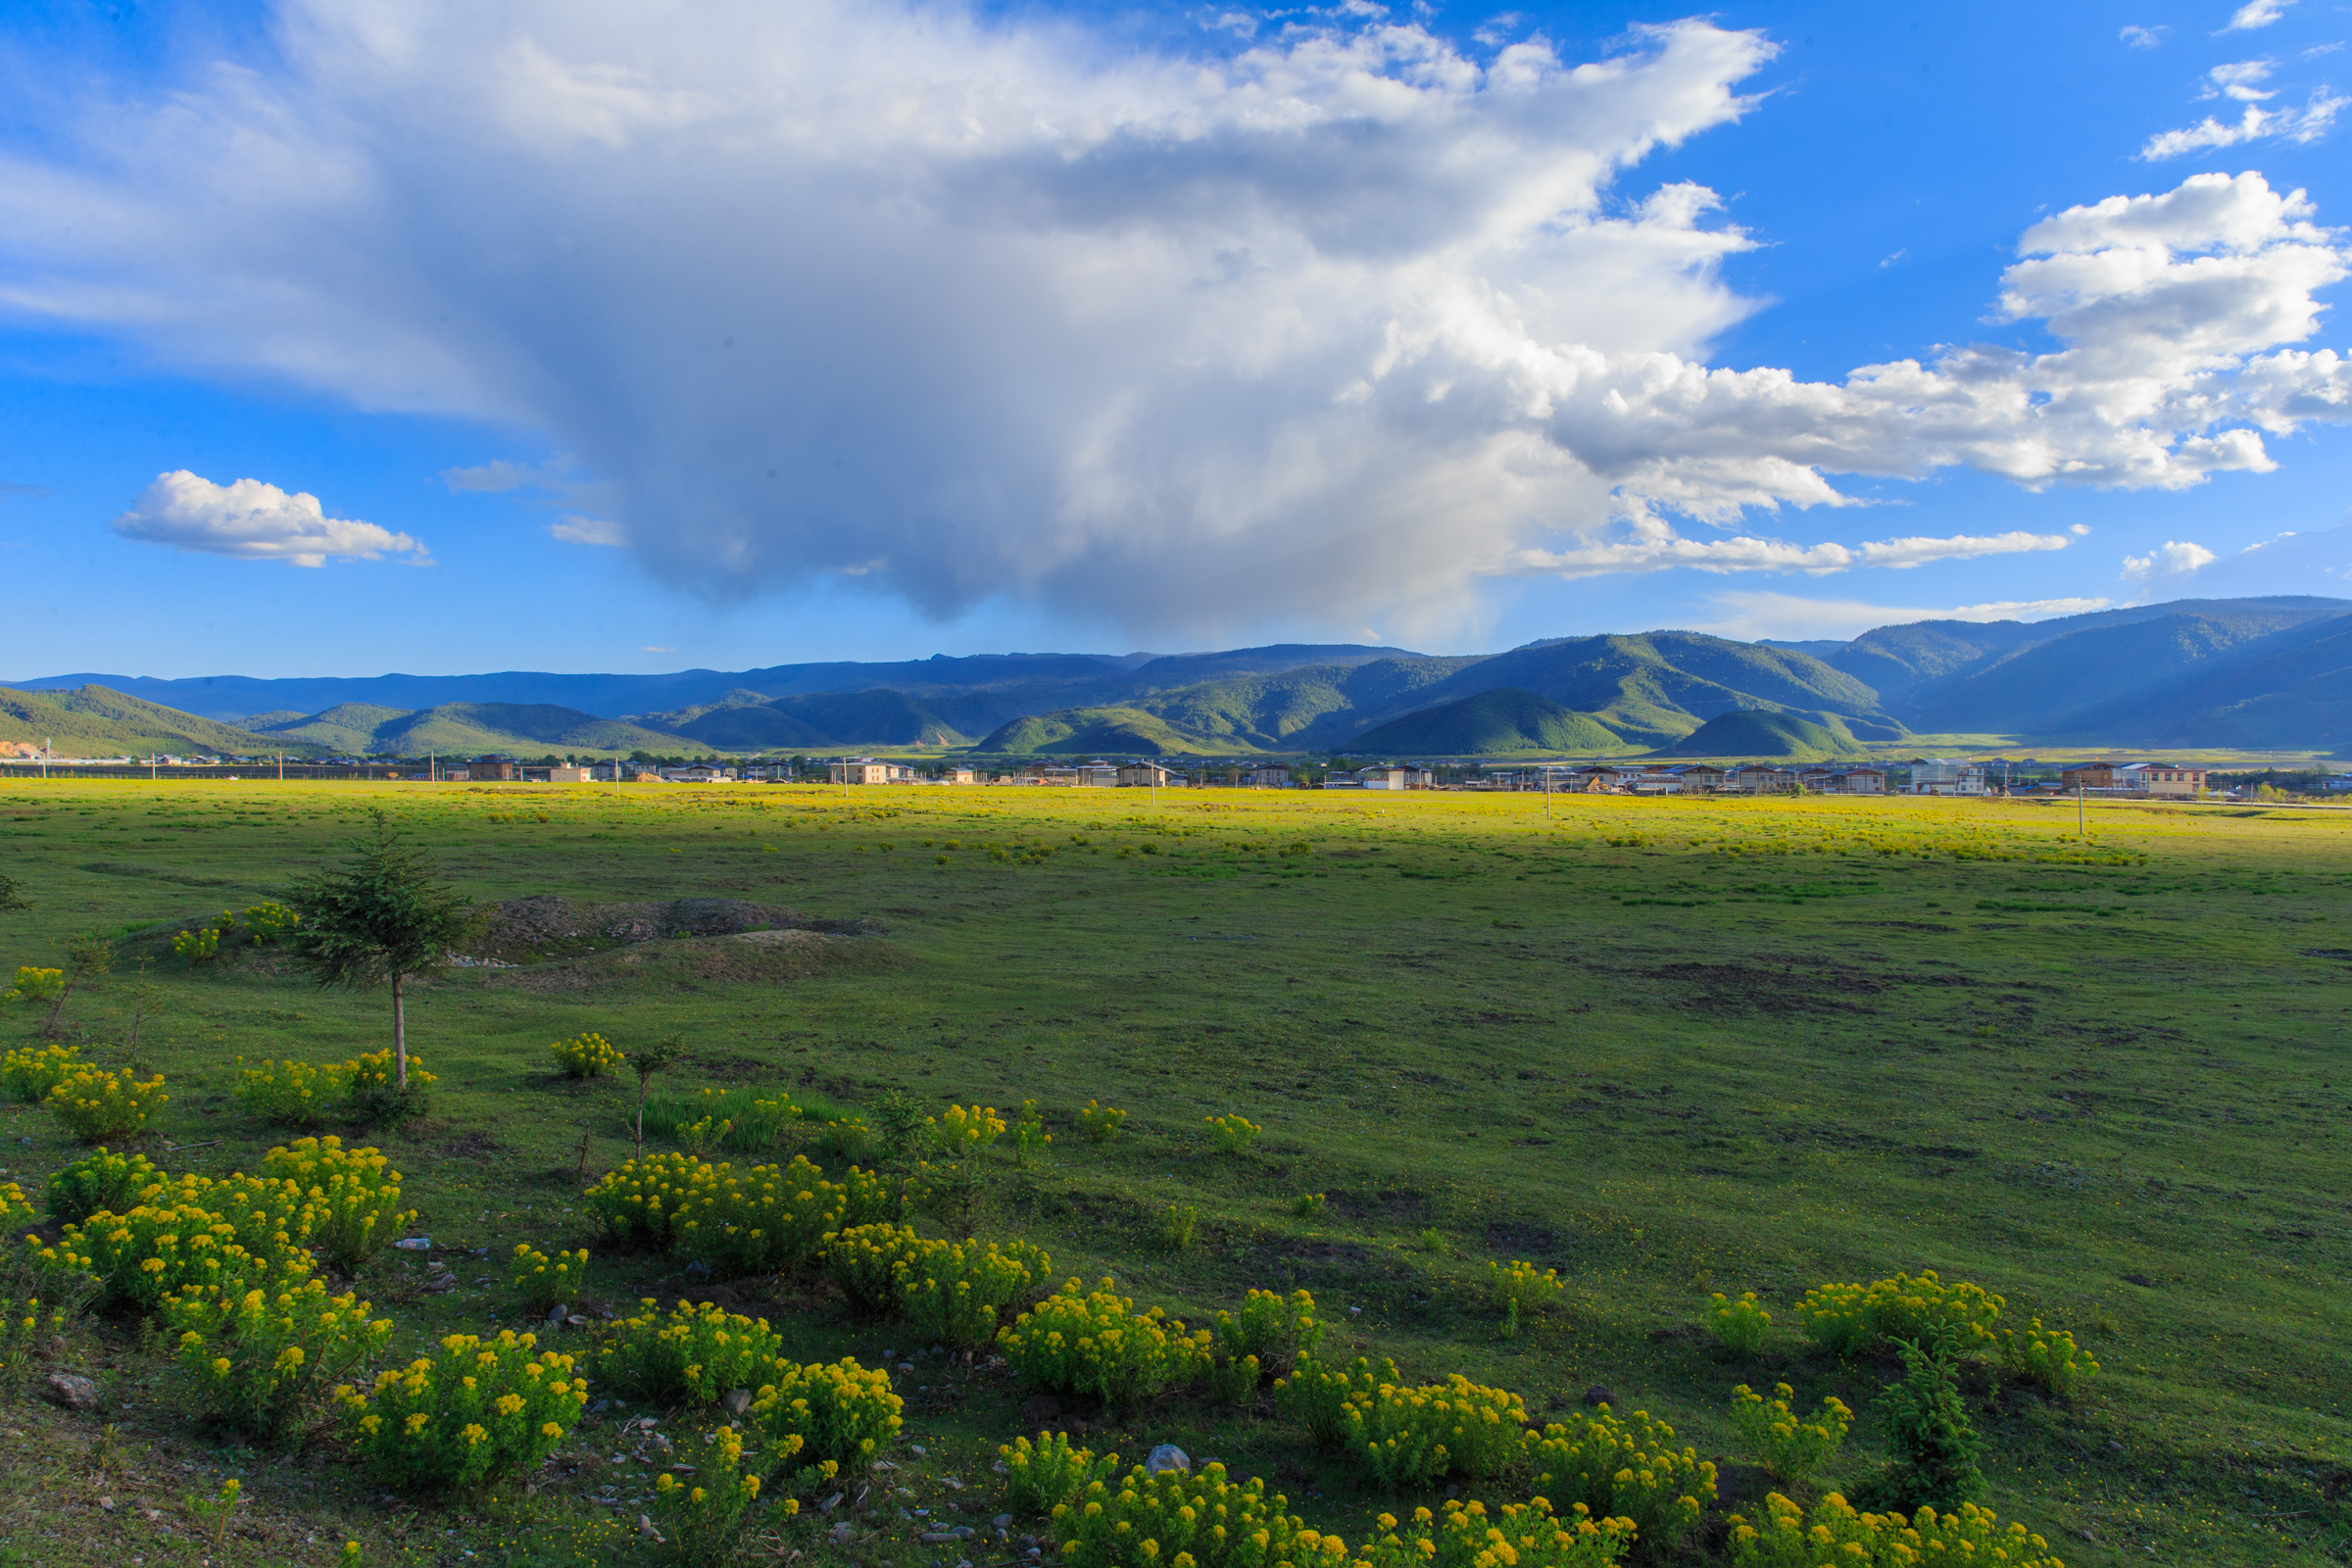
column 1670, row 1048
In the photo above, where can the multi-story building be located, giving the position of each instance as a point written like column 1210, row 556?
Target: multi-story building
column 1945, row 775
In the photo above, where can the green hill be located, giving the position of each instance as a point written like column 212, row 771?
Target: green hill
column 1753, row 733
column 1659, row 687
column 746, row 720
column 1099, row 733
column 1489, row 724
column 94, row 722
column 346, row 728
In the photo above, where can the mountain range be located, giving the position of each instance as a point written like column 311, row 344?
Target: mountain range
column 2255, row 674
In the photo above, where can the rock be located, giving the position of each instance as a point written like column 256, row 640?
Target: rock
column 1167, row 1456
column 556, row 1316
column 645, row 1527
column 698, row 1270
column 440, row 1285
column 940, row 1537
column 575, row 1321
column 735, row 1401
column 1003, row 1521
column 73, row 1392
column 1596, row 1395
column 918, row 1450
column 830, row 1503
column 414, row 1244
column 1037, row 1409
column 107, row 1503
column 841, row 1532
column 2140, row 1279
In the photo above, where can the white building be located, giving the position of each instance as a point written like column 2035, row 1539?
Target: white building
column 1945, row 775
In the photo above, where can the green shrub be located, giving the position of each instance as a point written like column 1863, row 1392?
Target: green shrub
column 36, row 985
column 1522, row 1292
column 353, row 1195
column 1835, row 1535
column 477, row 1410
column 1786, row 1443
column 1179, row 1224
column 99, row 1182
column 1232, row 1382
column 1739, row 1325
column 1409, row 1437
column 702, row 1518
column 2049, row 1357
column 1317, row 1398
column 762, row 1219
column 23, row 1327
column 1096, row 1343
column 372, row 1095
column 826, row 1417
column 1029, row 1135
column 30, row 1072
column 1307, row 1204
column 263, row 1357
column 546, row 1282
column 1102, row 1123
column 92, row 1103
column 1625, row 1468
column 1926, row 1427
column 955, row 1292
column 291, row 1094
column 692, row 1355
column 1846, row 1319
column 270, row 922
column 191, row 1232
column 196, row 948
column 1276, row 1330
column 1467, row 1534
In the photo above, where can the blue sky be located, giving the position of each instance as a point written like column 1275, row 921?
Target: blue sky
column 604, row 343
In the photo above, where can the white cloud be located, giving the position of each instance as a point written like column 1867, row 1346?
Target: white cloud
column 2256, row 14
column 1654, row 546
column 649, row 648
column 574, row 529
column 252, row 521
column 2144, row 37
column 1331, row 326
column 2306, row 124
column 1792, row 617
column 2240, row 80
column 503, row 475
column 2174, row 559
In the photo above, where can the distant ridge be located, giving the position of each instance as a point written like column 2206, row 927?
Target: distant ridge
column 1761, row 736
column 1494, row 723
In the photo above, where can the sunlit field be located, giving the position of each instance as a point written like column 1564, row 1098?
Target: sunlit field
column 1669, row 1048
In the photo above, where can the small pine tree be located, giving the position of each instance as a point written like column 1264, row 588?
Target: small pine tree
column 1935, row 1449
column 384, row 916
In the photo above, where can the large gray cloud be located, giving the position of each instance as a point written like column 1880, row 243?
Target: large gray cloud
column 1336, row 326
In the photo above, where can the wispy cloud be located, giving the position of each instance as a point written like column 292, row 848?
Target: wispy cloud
column 2306, row 124
column 649, row 648
column 1795, row 617
column 8, row 491
column 253, row 521
column 2256, row 14
column 578, row 530
column 2145, row 37
column 2172, row 559
column 1654, row 547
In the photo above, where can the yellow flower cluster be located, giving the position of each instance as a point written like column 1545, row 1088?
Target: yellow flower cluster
column 1097, row 1344
column 1625, row 1468
column 762, row 1219
column 1410, row 1435
column 702, row 1518
column 1317, row 1398
column 198, row 946
column 1029, row 1135
column 1100, row 1122
column 262, row 1357
column 1274, row 1328
column 376, row 1069
column 547, row 1281
column 1739, row 1325
column 269, row 920
column 1528, row 1534
column 288, row 1094
column 953, row 1290
column 1844, row 1319
column 15, row 1213
column 689, row 1355
column 354, row 1197
column 2047, row 1356
column 478, row 1409
column 35, row 985
column 22, row 1327
column 94, row 1103
column 28, row 1073
column 1521, row 1291
column 1185, row 1521
column 588, row 1056
column 100, row 1181
column 825, row 1417
column 1786, row 1443
column 1836, row 1536
column 961, row 1131
column 863, row 1260
column 1232, row 1134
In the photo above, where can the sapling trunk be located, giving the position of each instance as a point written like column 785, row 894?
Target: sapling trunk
column 400, row 1038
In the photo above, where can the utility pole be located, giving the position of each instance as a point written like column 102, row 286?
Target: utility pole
column 2077, row 808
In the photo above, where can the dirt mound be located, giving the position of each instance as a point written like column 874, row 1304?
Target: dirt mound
column 544, row 926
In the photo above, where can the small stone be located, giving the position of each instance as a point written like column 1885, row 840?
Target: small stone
column 918, row 1450
column 1003, row 1521
column 939, row 1538
column 905, row 1366
column 575, row 1321
column 555, row 1315
column 2140, row 1279
column 951, row 1482
column 735, row 1401
column 107, row 1503
column 841, row 1532
column 414, row 1244
column 73, row 1392
column 830, row 1503
column 698, row 1270
column 1167, row 1456
column 1596, row 1395
column 645, row 1527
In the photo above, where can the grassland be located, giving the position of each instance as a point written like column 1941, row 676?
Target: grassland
column 1668, row 1047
